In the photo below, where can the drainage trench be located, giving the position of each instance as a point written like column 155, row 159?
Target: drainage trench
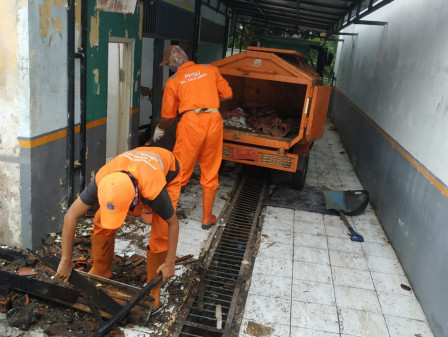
column 225, row 273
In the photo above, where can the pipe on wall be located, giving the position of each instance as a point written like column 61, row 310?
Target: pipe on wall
column 83, row 103
column 226, row 34
column 70, row 100
column 197, row 29
column 235, row 18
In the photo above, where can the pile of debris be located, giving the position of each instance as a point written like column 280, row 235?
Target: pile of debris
column 34, row 300
column 260, row 118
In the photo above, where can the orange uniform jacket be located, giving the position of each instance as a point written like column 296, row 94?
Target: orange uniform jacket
column 154, row 169
column 194, row 86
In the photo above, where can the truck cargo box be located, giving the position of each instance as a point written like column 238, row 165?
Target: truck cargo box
column 278, row 109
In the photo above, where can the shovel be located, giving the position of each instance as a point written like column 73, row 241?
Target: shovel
column 347, row 202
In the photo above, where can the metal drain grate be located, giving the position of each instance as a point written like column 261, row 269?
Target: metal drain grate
column 221, row 281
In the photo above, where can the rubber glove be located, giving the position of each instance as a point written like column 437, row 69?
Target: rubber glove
column 158, row 133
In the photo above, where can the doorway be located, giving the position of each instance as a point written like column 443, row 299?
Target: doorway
column 119, row 84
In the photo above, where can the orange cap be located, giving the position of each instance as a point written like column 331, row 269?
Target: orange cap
column 115, row 195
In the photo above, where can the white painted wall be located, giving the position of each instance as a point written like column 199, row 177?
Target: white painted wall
column 14, row 105
column 398, row 75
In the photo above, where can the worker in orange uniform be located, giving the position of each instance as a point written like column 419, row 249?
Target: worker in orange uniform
column 195, row 92
column 129, row 184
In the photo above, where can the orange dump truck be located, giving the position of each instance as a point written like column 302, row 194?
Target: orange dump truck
column 278, row 110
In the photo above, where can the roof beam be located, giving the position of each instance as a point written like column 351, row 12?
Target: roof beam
column 324, row 5
column 255, row 2
column 370, row 23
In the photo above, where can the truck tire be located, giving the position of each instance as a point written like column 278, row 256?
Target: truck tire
column 298, row 178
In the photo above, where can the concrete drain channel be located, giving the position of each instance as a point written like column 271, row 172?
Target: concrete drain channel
column 211, row 309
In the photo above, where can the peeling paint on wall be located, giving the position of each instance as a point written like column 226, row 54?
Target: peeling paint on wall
column 46, row 21
column 135, row 86
column 11, row 96
column 96, row 72
column 94, row 30
column 57, row 25
column 78, row 21
column 140, row 28
column 59, row 3
column 44, row 18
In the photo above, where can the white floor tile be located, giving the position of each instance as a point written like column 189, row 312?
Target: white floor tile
column 192, row 236
column 370, row 232
column 279, row 213
column 275, row 248
column 314, row 316
column 187, row 249
column 401, row 306
column 384, row 265
column 399, row 327
column 251, row 328
column 275, row 224
column 355, row 298
column 267, row 310
column 311, row 272
column 276, row 266
column 311, row 255
column 345, row 245
column 302, row 332
column 313, row 292
column 333, row 220
column 391, row 283
column 352, row 278
column 315, row 228
column 267, row 285
column 308, row 217
column 283, row 238
column 378, row 249
column 352, row 260
column 337, row 230
column 310, row 240
column 362, row 323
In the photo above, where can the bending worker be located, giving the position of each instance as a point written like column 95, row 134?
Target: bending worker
column 195, row 91
column 129, row 184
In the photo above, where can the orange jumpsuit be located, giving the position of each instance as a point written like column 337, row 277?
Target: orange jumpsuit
column 199, row 135
column 153, row 169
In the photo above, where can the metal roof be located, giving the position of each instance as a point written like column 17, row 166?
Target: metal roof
column 328, row 16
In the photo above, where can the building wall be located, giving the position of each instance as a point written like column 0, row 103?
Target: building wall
column 33, row 99
column 390, row 107
column 14, row 95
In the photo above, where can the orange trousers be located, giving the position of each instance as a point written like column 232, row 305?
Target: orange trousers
column 199, row 136
column 158, row 240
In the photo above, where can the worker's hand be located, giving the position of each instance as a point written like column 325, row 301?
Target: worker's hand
column 64, row 270
column 158, row 133
column 167, row 269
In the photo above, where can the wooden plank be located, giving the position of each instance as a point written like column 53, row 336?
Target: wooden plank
column 37, row 288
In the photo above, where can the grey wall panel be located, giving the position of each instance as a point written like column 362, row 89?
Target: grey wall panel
column 43, row 183
column 48, row 194
column 411, row 208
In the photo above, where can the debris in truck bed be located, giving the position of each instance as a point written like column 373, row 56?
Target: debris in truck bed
column 260, row 118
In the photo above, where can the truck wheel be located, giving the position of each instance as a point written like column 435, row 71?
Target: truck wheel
column 298, row 178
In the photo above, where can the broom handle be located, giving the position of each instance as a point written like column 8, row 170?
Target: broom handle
column 353, row 235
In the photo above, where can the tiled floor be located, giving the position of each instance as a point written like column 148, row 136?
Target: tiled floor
column 311, row 280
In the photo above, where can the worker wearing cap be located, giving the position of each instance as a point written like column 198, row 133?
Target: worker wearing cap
column 194, row 92
column 129, row 184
